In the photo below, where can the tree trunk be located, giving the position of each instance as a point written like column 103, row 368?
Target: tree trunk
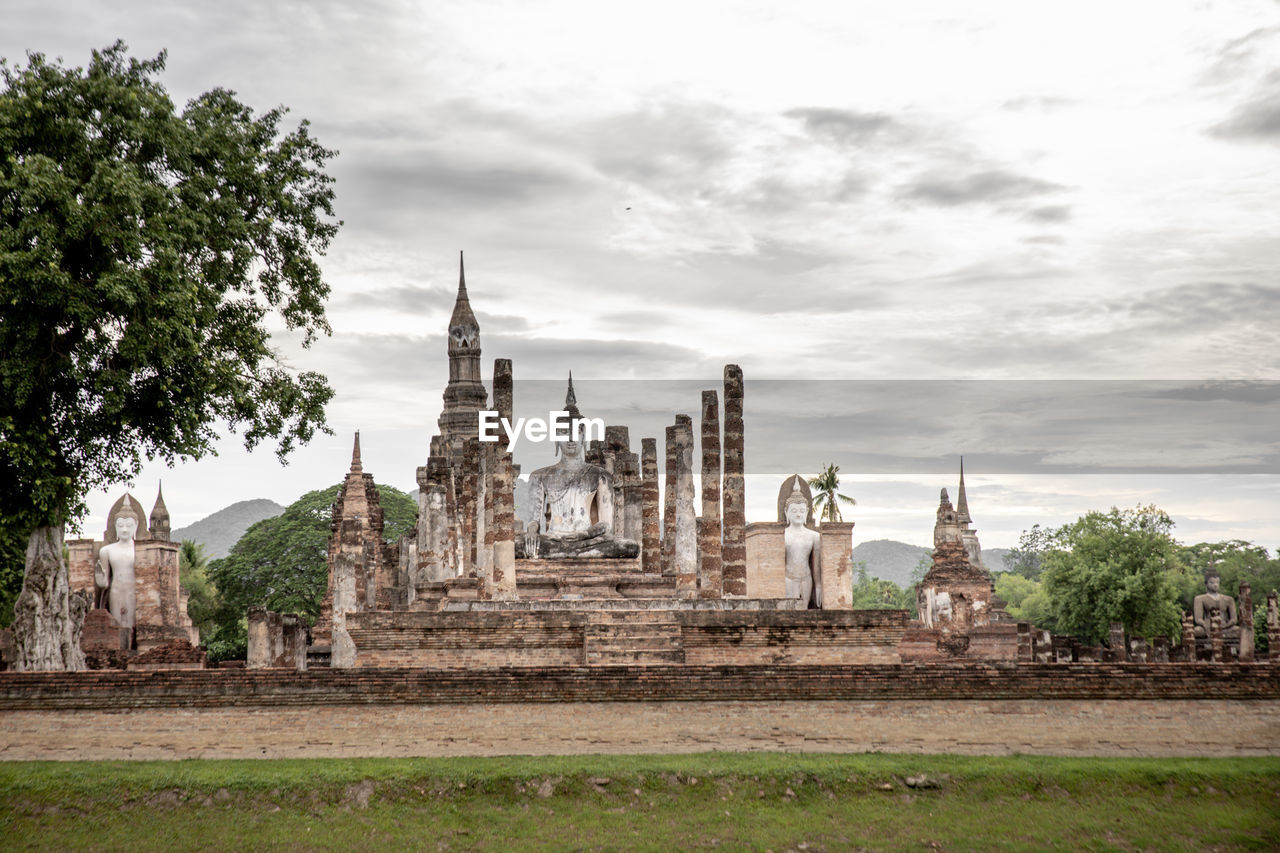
column 48, row 617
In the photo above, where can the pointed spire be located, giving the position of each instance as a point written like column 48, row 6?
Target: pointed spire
column 464, row 331
column 571, row 400
column 159, row 510
column 962, row 501
column 158, row 525
column 357, row 467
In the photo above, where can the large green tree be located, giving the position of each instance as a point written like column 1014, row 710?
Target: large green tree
column 1118, row 566
column 280, row 562
column 144, row 252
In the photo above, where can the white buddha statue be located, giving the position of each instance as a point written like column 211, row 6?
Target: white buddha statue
column 571, row 505
column 114, row 577
column 804, row 552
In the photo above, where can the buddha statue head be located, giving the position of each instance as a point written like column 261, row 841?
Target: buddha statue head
column 797, row 505
column 1212, row 581
column 126, row 523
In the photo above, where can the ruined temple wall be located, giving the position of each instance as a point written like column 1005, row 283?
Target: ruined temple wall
column 1088, row 710
column 462, row 640
column 766, row 560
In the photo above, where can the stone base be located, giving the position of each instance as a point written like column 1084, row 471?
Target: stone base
column 667, row 632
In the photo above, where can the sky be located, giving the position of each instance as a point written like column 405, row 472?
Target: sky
column 917, row 227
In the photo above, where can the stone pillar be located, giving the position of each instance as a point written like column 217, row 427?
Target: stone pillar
column 710, row 579
column 470, row 487
column 837, row 565
column 651, row 536
column 1273, row 628
column 434, row 549
column 258, row 653
column 1118, row 649
column 1215, row 637
column 502, row 575
column 686, row 538
column 275, row 629
column 502, row 584
column 766, row 560
column 503, row 392
column 1246, row 621
column 1026, row 643
column 343, row 650
column 1189, row 637
column 734, row 551
column 669, row 508
column 484, row 510
column 295, row 641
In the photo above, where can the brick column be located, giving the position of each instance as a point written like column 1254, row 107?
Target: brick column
column 502, row 585
column 1118, row 649
column 837, row 568
column 467, row 504
column 342, row 649
column 710, row 580
column 1273, row 628
column 1246, row 622
column 766, row 560
column 734, row 552
column 669, row 508
column 258, row 655
column 651, row 536
column 1215, row 637
column 1189, row 637
column 686, row 538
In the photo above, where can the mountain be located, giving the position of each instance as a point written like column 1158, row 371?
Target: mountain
column 218, row 532
column 890, row 560
column 895, row 561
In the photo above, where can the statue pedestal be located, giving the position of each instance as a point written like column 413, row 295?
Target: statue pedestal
column 837, row 568
column 766, row 560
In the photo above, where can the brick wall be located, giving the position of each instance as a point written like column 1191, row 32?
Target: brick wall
column 1065, row 709
column 452, row 640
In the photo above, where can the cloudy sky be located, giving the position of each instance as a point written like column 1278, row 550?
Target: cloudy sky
column 859, row 196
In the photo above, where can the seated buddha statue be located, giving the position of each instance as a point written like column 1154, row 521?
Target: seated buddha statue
column 571, row 505
column 1203, row 605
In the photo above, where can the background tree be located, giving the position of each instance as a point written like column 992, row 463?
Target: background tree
column 142, row 250
column 1119, row 566
column 826, row 494
column 872, row 593
column 1026, row 558
column 281, row 563
column 1026, row 600
column 202, row 596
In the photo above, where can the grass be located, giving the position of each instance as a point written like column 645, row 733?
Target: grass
column 730, row 801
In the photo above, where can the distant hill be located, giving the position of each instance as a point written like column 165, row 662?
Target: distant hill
column 890, row 560
column 218, row 532
column 895, row 561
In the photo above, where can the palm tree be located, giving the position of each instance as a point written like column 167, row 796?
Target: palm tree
column 826, row 496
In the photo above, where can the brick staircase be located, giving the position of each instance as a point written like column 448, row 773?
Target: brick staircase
column 633, row 638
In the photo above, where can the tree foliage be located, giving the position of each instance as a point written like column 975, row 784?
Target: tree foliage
column 1026, row 600
column 202, row 596
column 826, row 494
column 872, row 593
column 281, row 563
column 142, row 251
column 1026, row 558
column 1118, row 566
